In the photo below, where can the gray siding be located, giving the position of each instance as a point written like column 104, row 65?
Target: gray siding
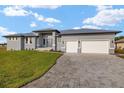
column 109, row 37
column 14, row 44
column 22, row 43
column 37, row 42
column 30, row 46
column 54, row 41
column 58, row 43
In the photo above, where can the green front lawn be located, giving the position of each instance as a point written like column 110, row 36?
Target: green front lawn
column 20, row 67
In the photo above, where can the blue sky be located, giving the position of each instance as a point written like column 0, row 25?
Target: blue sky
column 21, row 19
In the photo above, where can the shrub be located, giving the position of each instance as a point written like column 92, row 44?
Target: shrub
column 120, row 51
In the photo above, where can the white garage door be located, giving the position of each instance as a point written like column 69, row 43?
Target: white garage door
column 72, row 47
column 95, row 47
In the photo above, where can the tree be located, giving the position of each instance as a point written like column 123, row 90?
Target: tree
column 119, row 37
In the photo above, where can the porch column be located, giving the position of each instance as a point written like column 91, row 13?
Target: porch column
column 54, row 41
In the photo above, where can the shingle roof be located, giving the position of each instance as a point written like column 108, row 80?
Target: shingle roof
column 87, row 31
column 22, row 34
column 46, row 30
column 66, row 32
column 120, row 41
column 30, row 34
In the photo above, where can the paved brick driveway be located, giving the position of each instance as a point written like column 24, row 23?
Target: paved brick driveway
column 84, row 70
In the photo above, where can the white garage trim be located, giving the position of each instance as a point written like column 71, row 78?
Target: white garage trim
column 72, row 47
column 95, row 46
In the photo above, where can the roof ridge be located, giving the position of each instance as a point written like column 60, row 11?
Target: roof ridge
column 89, row 29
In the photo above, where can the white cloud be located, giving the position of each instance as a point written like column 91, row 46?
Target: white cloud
column 76, row 28
column 4, row 31
column 106, row 17
column 103, row 7
column 49, row 20
column 87, row 26
column 45, row 6
column 38, row 17
column 33, row 24
column 21, row 11
column 91, row 26
column 52, row 20
column 15, row 11
column 51, row 25
column 2, row 40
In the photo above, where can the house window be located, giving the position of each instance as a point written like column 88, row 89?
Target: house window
column 26, row 39
column 43, row 41
column 78, row 42
column 59, row 39
column 13, row 38
column 16, row 38
column 9, row 38
column 30, row 40
column 62, row 42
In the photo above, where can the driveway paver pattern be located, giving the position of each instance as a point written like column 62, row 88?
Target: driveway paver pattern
column 83, row 71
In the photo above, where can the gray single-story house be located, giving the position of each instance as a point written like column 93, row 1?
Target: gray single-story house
column 69, row 41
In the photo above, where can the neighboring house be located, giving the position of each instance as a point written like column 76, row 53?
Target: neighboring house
column 120, row 44
column 70, row 41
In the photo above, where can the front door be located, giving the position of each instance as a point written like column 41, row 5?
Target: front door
column 45, row 42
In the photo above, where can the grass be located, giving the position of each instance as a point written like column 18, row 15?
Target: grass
column 2, row 49
column 20, row 67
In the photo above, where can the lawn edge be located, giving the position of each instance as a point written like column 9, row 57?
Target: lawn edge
column 21, row 86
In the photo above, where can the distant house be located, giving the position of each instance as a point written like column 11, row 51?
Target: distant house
column 69, row 41
column 120, row 44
